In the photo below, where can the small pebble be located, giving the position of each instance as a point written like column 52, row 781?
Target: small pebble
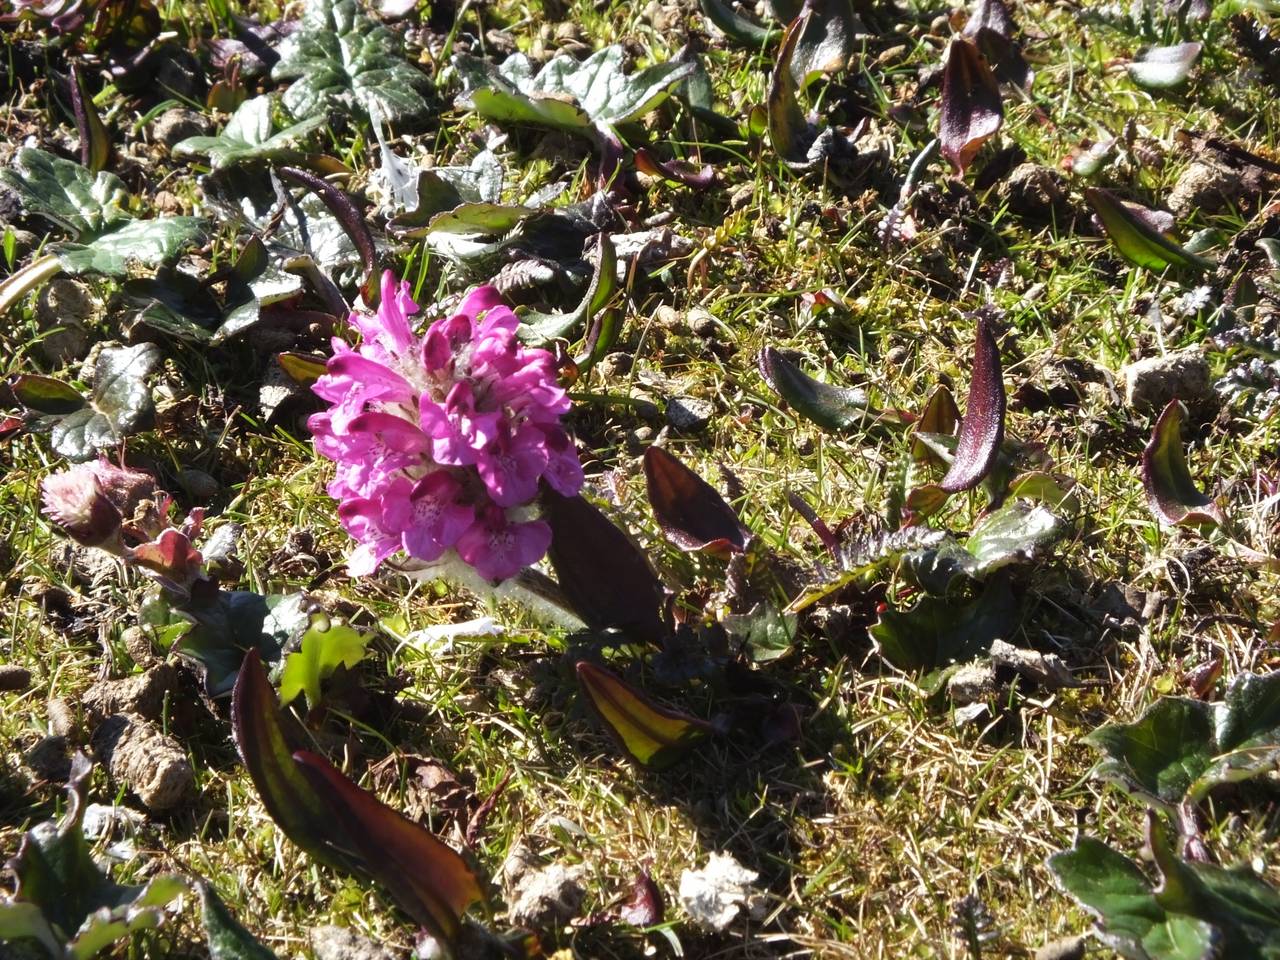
column 689, row 414
column 14, row 679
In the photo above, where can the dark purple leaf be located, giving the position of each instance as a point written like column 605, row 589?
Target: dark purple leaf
column 258, row 728
column 689, row 510
column 348, row 215
column 645, row 906
column 95, row 144
column 1171, row 492
column 971, row 107
column 990, row 15
column 605, row 577
column 427, row 878
column 677, row 171
column 829, row 539
column 982, row 429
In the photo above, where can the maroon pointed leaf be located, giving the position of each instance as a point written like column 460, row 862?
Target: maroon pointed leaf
column 353, row 222
column 982, row 429
column 677, row 171
column 654, row 736
column 605, row 577
column 645, row 906
column 426, row 877
column 266, row 749
column 95, row 144
column 1171, row 492
column 690, row 512
column 971, row 107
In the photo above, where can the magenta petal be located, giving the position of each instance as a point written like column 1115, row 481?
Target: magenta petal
column 436, row 520
column 498, row 549
column 395, row 432
column 479, row 301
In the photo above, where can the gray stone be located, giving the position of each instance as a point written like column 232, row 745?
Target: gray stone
column 339, row 943
column 973, row 682
column 689, row 414
column 1205, row 187
column 63, row 310
column 1150, row 384
column 1035, row 191
column 541, row 896
column 175, row 125
column 143, row 693
column 14, row 679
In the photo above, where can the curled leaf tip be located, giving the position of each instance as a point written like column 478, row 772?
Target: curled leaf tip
column 1171, row 492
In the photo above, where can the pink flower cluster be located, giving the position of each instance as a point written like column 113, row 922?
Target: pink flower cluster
column 441, row 440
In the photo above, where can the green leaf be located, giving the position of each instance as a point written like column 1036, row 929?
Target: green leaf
column 46, row 395
column 832, row 408
column 227, row 938
column 247, row 137
column 766, row 632
column 1197, row 911
column 540, row 328
column 225, row 628
column 69, row 195
column 325, row 647
column 654, row 736
column 1159, row 755
column 827, row 42
column 72, row 897
column 146, row 242
column 1134, row 236
column 341, row 59
column 1012, row 533
column 1112, row 886
column 566, row 94
column 936, row 632
column 1179, row 749
column 737, row 27
column 119, row 405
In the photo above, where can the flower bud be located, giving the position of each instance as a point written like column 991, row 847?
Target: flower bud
column 75, row 502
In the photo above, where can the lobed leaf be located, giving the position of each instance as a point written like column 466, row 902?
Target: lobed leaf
column 66, row 194
column 150, row 243
column 247, row 137
column 325, row 647
column 982, row 429
column 343, row 59
column 690, row 512
column 1171, row 491
column 652, row 735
